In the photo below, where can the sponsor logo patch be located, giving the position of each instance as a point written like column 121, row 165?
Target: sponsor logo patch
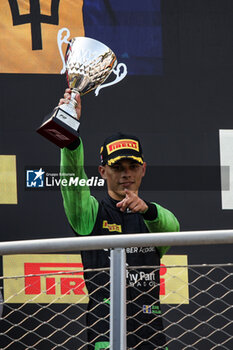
column 122, row 144
column 151, row 309
column 111, row 227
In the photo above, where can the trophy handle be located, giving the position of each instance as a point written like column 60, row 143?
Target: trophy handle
column 119, row 77
column 60, row 41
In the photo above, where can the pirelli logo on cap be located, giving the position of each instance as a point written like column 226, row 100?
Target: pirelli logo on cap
column 122, row 144
column 111, row 227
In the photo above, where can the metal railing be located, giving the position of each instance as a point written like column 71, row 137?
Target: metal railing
column 184, row 332
column 117, row 241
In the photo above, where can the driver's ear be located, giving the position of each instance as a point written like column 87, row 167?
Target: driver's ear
column 102, row 171
column 144, row 168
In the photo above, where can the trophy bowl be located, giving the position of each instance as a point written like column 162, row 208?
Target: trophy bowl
column 88, row 64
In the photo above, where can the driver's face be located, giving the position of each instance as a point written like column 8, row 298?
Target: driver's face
column 126, row 173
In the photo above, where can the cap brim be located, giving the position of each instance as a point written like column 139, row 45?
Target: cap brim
column 113, row 161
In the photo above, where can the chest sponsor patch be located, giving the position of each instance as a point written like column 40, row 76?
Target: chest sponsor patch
column 112, row 227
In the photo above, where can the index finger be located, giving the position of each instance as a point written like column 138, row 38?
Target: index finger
column 128, row 193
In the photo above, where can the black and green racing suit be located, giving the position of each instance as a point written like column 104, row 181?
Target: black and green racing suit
column 88, row 216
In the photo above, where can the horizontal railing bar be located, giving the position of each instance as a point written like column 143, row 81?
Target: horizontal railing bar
column 52, row 245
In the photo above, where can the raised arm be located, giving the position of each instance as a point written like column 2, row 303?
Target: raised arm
column 80, row 207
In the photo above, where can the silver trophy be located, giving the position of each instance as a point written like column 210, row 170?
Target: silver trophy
column 88, row 65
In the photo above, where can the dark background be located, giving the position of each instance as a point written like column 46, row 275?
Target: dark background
column 176, row 115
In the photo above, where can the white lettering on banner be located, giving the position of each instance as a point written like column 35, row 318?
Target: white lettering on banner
column 143, row 250
column 131, row 250
column 146, row 249
column 140, row 278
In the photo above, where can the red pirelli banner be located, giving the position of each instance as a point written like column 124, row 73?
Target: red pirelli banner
column 55, row 278
column 58, row 278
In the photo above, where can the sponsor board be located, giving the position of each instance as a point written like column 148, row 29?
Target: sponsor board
column 44, row 278
column 174, row 286
column 8, row 180
column 58, row 278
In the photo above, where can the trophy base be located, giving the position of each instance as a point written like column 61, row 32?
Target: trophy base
column 61, row 128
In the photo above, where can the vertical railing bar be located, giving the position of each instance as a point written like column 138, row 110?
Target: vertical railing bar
column 123, row 299
column 118, row 299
